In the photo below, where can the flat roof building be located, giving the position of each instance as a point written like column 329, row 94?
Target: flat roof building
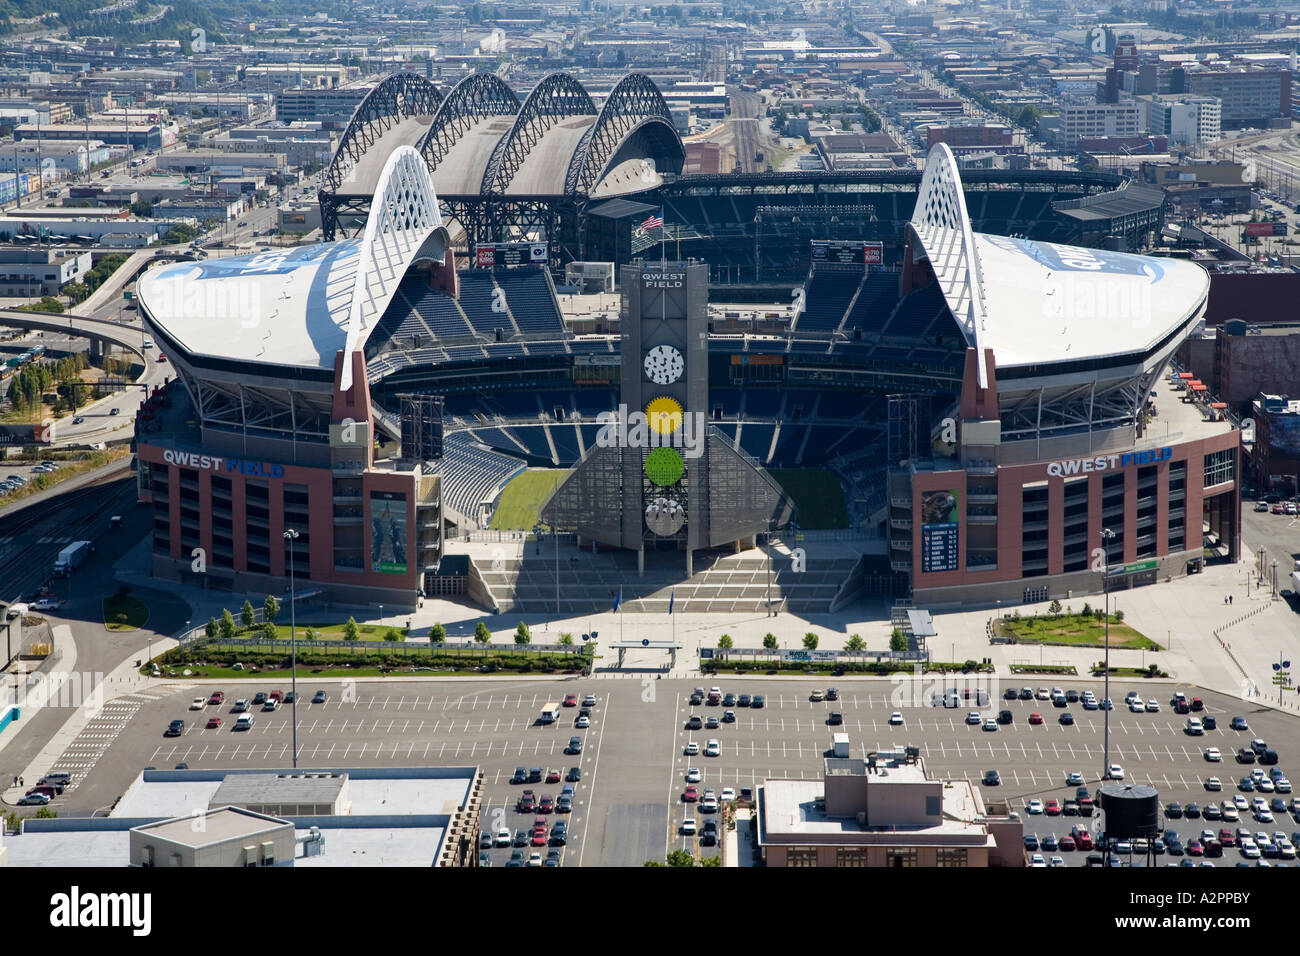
column 883, row 811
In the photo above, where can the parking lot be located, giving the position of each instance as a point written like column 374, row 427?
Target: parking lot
column 628, row 805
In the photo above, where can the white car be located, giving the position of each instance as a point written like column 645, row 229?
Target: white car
column 1230, row 814
column 817, row 696
column 1037, row 861
column 1153, row 706
column 198, row 703
column 503, row 836
column 1248, row 848
column 1286, row 851
column 1264, row 815
column 1239, row 802
column 692, row 749
column 1212, row 754
column 1116, row 772
column 1213, row 783
column 688, row 827
column 1056, row 861
column 692, row 775
column 1265, row 785
column 895, row 719
column 990, row 723
column 1259, row 803
column 974, row 718
column 1136, row 707
column 1034, row 806
column 535, row 858
column 728, row 795
column 1043, row 694
column 47, row 604
column 1075, row 779
column 709, row 804
column 712, row 748
column 1282, row 785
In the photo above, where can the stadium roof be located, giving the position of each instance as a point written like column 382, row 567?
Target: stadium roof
column 1133, row 198
column 1037, row 302
column 299, row 307
column 480, row 139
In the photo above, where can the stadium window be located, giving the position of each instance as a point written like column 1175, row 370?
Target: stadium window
column 801, row 856
column 900, row 857
column 851, row 856
column 1218, row 467
column 951, row 857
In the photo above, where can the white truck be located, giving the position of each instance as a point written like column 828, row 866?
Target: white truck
column 72, row 557
column 840, row 743
column 551, row 712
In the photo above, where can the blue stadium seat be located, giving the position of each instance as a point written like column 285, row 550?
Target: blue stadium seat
column 530, row 296
column 827, row 294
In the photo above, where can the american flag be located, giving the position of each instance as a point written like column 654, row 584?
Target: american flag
column 654, row 222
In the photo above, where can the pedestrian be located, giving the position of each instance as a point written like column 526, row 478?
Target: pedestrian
column 15, row 781
column 21, row 782
column 1230, row 598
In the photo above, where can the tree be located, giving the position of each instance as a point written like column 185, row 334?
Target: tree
column 769, row 641
column 393, row 634
column 270, row 608
column 350, row 630
column 725, row 642
column 1054, row 608
column 522, row 636
column 897, row 640
column 711, row 861
column 1087, row 609
column 566, row 638
column 810, row 641
column 437, row 634
column 227, row 625
column 680, row 858
column 1118, row 616
column 211, row 629
column 855, row 643
column 246, row 615
column 481, row 633
column 311, row 634
column 269, row 631
column 142, row 208
column 76, row 291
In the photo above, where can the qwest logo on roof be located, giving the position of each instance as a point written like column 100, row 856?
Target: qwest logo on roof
column 1078, row 259
column 264, row 263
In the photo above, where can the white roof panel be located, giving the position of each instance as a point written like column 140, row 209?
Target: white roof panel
column 288, row 307
column 1050, row 303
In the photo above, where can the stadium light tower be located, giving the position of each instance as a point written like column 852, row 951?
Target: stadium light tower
column 1107, row 536
column 291, row 536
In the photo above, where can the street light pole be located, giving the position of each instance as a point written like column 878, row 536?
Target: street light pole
column 1107, row 535
column 291, row 536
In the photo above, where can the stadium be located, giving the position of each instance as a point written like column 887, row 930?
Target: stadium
column 986, row 404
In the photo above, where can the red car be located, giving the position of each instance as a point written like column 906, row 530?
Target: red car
column 539, row 823
column 691, row 794
column 161, row 358
column 540, row 837
column 214, row 723
column 527, row 802
column 546, row 805
column 1194, row 848
column 570, row 700
column 552, row 776
column 1052, row 808
column 1067, row 843
column 217, row 698
column 1227, row 837
column 1198, row 704
column 277, row 695
column 1035, row 718
column 1083, row 840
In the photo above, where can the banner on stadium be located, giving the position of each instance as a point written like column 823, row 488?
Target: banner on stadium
column 510, row 254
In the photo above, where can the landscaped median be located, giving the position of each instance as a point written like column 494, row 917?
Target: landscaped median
column 123, row 612
column 260, row 656
column 1084, row 629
